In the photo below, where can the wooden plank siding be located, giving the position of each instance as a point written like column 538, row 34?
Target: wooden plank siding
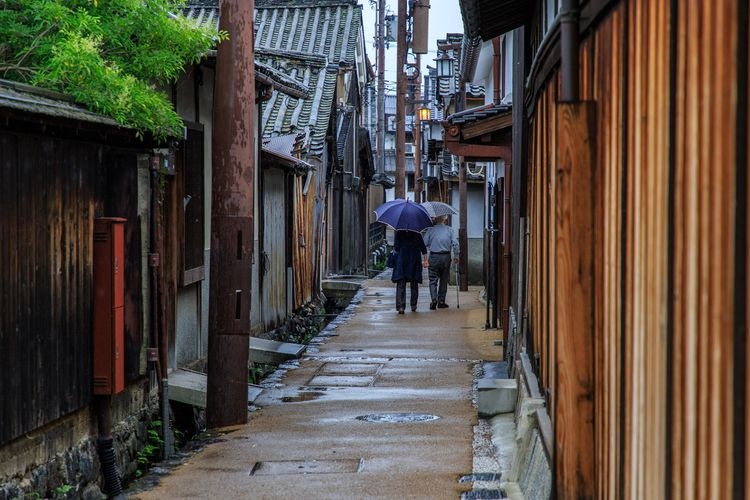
column 704, row 197
column 302, row 241
column 51, row 191
column 573, row 410
column 670, row 234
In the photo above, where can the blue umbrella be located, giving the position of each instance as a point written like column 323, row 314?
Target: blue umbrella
column 403, row 215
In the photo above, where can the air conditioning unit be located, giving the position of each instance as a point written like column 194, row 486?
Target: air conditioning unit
column 409, row 149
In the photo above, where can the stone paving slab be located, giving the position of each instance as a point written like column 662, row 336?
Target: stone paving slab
column 425, row 362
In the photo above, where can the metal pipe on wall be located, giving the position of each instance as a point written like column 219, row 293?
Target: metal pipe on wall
column 569, row 58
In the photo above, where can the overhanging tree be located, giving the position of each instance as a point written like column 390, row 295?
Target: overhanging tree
column 108, row 55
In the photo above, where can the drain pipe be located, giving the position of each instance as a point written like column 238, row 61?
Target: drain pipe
column 569, row 18
column 105, row 449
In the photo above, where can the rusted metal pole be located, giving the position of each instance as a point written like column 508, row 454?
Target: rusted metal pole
column 231, row 217
column 400, row 100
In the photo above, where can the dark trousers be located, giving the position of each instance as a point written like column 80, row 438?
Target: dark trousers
column 401, row 294
column 440, row 274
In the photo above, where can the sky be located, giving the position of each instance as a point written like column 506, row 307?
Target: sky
column 445, row 17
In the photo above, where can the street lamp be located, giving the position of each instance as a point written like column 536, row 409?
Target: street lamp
column 444, row 65
column 424, row 117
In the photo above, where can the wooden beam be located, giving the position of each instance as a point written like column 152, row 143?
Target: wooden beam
column 479, row 152
column 488, row 125
column 574, row 301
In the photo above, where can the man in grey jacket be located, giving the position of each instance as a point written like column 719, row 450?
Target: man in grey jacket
column 440, row 240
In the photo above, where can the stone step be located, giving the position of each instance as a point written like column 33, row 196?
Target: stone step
column 273, row 351
column 496, row 395
column 189, row 387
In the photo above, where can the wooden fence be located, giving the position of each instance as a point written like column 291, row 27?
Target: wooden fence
column 638, row 259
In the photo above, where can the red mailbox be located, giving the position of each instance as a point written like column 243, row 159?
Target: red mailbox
column 109, row 305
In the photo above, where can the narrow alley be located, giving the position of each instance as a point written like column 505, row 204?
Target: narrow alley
column 334, row 419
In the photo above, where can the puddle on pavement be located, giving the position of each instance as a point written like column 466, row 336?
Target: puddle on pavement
column 342, row 380
column 301, row 397
column 397, row 418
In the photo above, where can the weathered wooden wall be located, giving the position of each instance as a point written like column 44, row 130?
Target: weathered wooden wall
column 50, row 191
column 302, row 241
column 669, row 83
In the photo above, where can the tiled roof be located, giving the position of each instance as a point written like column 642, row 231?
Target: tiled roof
column 283, row 114
column 478, row 113
column 280, row 81
column 344, row 127
column 474, row 91
column 307, row 40
column 324, row 28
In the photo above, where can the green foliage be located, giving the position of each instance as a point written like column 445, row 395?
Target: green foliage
column 109, row 55
column 151, row 450
column 62, row 491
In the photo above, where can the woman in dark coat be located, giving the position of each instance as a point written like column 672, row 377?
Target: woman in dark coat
column 410, row 249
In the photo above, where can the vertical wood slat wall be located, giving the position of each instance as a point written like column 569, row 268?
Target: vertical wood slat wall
column 302, row 241
column 49, row 190
column 665, row 86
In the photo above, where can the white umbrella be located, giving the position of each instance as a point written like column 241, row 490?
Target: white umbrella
column 438, row 208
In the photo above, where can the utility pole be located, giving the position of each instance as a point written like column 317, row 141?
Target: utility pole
column 380, row 146
column 400, row 100
column 233, row 141
column 418, row 132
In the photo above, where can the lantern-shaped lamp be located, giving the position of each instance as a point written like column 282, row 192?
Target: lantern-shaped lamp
column 424, row 114
column 444, row 65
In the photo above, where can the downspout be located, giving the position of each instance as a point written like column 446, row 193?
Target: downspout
column 496, row 70
column 158, row 351
column 105, row 449
column 569, row 18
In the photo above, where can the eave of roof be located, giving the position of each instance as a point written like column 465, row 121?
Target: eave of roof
column 478, row 113
column 40, row 101
column 490, row 18
column 287, row 161
column 280, row 81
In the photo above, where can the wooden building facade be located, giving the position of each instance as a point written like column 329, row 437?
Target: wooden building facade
column 630, row 289
column 60, row 168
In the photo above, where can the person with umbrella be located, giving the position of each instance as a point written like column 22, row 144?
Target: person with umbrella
column 440, row 240
column 408, row 219
column 410, row 248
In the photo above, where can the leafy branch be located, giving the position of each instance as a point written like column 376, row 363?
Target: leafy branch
column 109, row 55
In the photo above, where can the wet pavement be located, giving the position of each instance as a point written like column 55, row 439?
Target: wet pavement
column 380, row 406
